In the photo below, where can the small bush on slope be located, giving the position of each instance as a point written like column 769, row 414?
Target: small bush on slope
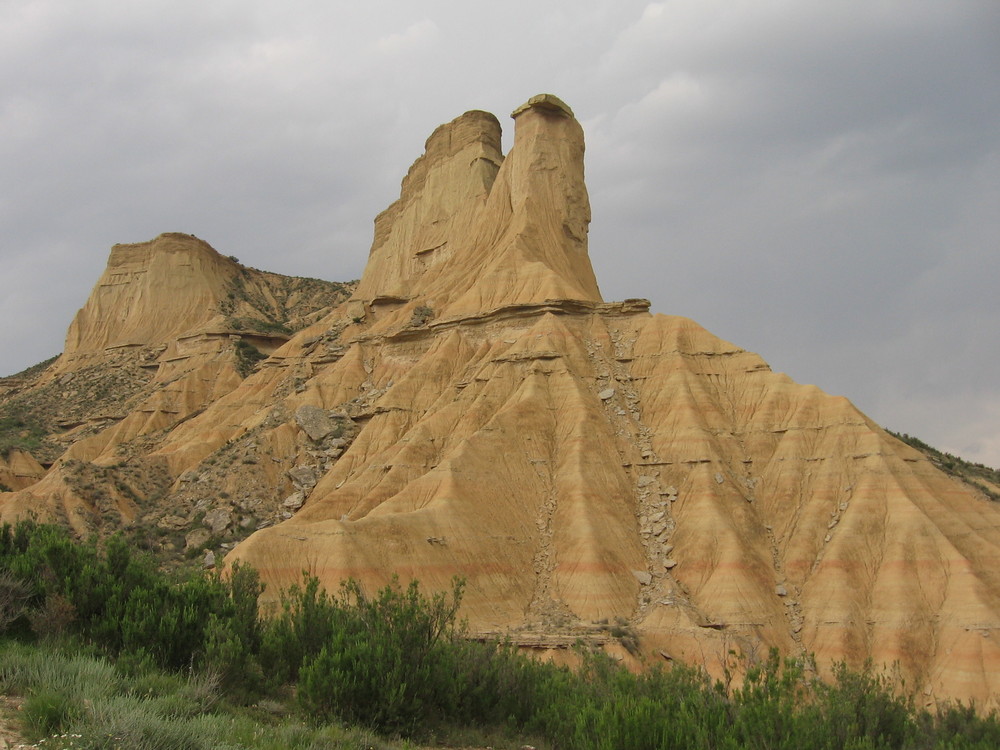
column 83, row 702
column 396, row 661
column 120, row 602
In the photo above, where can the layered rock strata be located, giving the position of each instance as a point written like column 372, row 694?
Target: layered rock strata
column 169, row 328
column 476, row 409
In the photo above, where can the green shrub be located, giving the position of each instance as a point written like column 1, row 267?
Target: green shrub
column 247, row 357
column 395, row 661
column 233, row 636
column 14, row 595
column 19, row 431
column 385, row 664
column 122, row 603
column 305, row 624
column 47, row 712
column 859, row 705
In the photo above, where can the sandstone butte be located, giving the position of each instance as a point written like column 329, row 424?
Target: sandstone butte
column 474, row 408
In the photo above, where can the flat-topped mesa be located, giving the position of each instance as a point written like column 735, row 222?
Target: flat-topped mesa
column 574, row 461
column 175, row 298
column 473, row 231
column 150, row 292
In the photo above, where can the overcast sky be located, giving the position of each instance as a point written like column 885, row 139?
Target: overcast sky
column 814, row 180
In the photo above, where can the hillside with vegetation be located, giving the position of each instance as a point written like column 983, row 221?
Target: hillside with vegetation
column 473, row 408
column 980, row 476
column 100, row 649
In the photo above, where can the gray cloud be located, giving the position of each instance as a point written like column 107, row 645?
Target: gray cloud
column 816, row 182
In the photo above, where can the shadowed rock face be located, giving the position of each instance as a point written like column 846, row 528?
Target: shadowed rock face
column 476, row 409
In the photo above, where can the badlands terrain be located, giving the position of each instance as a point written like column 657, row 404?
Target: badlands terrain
column 473, row 407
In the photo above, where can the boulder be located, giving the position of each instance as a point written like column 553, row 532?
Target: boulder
column 218, row 520
column 303, row 477
column 196, row 538
column 314, row 422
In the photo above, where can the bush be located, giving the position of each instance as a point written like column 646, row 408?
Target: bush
column 233, row 636
column 306, row 623
column 386, row 665
column 14, row 595
column 395, row 661
column 48, row 712
column 247, row 357
column 121, row 603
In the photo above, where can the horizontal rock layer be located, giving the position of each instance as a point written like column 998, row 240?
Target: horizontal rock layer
column 476, row 409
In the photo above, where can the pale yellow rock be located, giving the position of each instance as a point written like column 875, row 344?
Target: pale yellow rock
column 573, row 460
column 151, row 292
column 473, row 231
column 499, row 436
column 19, row 469
column 163, row 325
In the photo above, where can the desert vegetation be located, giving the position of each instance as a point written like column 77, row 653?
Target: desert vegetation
column 271, row 304
column 18, row 431
column 108, row 651
column 983, row 477
column 247, row 357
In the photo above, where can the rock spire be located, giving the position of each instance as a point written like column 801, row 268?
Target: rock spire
column 473, row 231
column 476, row 409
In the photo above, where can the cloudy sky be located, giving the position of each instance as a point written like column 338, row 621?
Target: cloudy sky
column 817, row 181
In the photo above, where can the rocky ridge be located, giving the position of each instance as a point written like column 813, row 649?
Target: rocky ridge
column 170, row 326
column 475, row 408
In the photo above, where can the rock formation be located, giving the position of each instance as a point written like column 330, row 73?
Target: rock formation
column 476, row 409
column 170, row 327
column 19, row 469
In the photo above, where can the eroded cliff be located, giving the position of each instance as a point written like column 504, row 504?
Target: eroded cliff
column 476, row 409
